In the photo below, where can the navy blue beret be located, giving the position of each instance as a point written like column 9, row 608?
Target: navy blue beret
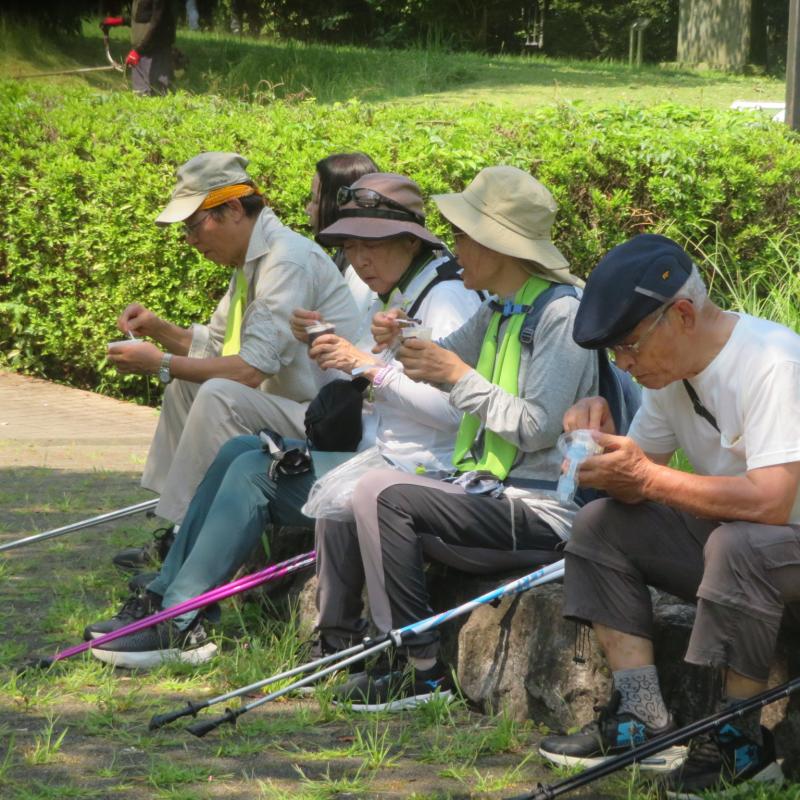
column 631, row 281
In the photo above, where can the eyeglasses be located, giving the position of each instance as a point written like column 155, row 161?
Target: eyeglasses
column 190, row 227
column 369, row 198
column 632, row 348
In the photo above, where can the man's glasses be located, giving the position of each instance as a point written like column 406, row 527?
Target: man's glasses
column 369, row 198
column 632, row 348
column 190, row 227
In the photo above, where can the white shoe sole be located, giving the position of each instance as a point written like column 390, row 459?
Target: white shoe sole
column 772, row 773
column 402, row 703
column 149, row 659
column 664, row 761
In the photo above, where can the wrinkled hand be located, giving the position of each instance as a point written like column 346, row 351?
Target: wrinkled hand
column 140, row 358
column 139, row 320
column 333, row 352
column 426, row 361
column 385, row 330
column 590, row 413
column 301, row 318
column 622, row 469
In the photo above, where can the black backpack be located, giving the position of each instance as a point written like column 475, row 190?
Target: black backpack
column 622, row 394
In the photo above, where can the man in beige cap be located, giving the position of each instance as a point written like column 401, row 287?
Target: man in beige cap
column 244, row 370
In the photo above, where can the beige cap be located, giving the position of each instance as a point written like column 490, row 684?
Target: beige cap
column 199, row 176
column 509, row 211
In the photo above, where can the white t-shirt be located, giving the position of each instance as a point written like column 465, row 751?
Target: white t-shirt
column 752, row 387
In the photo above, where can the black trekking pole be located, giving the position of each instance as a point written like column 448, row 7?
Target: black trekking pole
column 370, row 647
column 659, row 743
column 147, row 505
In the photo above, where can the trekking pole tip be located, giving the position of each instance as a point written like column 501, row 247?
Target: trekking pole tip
column 36, row 663
column 159, row 720
column 203, row 727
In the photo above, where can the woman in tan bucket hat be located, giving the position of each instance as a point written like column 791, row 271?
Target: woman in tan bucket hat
column 498, row 508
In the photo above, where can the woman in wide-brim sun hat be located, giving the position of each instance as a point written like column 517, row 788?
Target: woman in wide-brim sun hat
column 500, row 509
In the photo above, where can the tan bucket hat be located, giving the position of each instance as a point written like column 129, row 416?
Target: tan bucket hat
column 199, row 176
column 509, row 211
column 381, row 205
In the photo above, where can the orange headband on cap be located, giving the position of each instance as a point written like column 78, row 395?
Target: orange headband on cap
column 217, row 197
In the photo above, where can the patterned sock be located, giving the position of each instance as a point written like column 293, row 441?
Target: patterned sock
column 641, row 695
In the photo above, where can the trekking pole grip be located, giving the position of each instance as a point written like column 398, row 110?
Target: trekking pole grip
column 159, row 720
column 203, row 727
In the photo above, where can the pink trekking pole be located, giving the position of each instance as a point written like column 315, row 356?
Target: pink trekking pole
column 212, row 596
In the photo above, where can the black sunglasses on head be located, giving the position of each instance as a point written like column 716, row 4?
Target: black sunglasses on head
column 369, row 198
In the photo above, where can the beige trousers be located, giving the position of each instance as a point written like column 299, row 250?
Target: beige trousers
column 196, row 420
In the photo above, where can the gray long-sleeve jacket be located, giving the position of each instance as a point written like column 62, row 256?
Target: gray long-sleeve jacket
column 554, row 373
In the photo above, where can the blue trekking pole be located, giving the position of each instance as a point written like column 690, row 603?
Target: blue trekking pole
column 370, row 647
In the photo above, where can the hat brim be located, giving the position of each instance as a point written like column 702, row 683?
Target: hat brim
column 373, row 228
column 180, row 208
column 490, row 233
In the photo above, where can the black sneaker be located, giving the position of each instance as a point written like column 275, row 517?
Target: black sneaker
column 396, row 689
column 138, row 583
column 721, row 761
column 137, row 606
column 609, row 735
column 153, row 646
column 135, row 559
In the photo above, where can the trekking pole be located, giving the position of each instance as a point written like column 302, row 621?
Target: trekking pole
column 373, row 646
column 213, row 596
column 86, row 523
column 659, row 743
column 191, row 708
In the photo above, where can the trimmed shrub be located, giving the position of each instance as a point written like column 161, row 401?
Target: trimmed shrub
column 83, row 174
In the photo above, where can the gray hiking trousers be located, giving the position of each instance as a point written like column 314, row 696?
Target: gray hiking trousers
column 744, row 576
column 399, row 520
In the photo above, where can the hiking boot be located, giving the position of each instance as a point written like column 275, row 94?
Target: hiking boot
column 152, row 646
column 137, row 606
column 609, row 735
column 720, row 761
column 395, row 689
column 139, row 583
column 135, row 559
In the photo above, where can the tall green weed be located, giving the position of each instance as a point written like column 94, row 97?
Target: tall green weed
column 83, row 174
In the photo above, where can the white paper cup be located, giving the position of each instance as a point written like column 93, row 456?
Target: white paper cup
column 119, row 345
column 416, row 332
column 318, row 329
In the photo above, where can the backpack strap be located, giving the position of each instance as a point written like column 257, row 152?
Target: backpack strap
column 450, row 270
column 534, row 313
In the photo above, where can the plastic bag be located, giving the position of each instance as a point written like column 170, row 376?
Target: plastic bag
column 331, row 496
column 576, row 447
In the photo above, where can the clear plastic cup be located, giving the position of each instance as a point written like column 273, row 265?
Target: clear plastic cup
column 122, row 343
column 576, row 447
column 318, row 329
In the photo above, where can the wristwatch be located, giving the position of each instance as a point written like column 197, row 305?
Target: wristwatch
column 164, row 374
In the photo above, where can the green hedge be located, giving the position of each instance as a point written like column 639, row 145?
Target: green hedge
column 83, row 174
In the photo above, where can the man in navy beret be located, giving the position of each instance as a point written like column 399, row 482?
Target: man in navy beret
column 725, row 388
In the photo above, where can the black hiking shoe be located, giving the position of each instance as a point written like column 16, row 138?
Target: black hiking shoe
column 721, row 761
column 137, row 606
column 396, row 689
column 136, row 559
column 609, row 735
column 152, row 646
column 139, row 583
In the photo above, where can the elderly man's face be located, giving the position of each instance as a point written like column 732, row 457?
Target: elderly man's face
column 655, row 350
column 218, row 236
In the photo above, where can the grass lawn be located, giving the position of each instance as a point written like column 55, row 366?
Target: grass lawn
column 262, row 70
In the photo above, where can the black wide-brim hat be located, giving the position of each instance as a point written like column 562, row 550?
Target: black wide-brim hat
column 632, row 280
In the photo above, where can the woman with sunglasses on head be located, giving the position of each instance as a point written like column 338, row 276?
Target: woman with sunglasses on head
column 498, row 509
column 240, row 495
